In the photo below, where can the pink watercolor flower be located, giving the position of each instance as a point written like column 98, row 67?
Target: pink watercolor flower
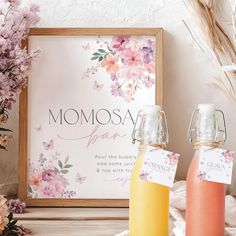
column 129, row 93
column 14, row 2
column 150, row 68
column 119, row 43
column 50, row 190
column 173, row 158
column 48, row 175
column 202, row 175
column 144, row 175
column 114, row 77
column 132, row 58
column 62, row 180
column 132, row 72
column 115, row 89
column 148, row 82
column 35, row 181
column 111, row 64
column 229, row 156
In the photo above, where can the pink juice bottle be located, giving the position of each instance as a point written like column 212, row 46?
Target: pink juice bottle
column 205, row 210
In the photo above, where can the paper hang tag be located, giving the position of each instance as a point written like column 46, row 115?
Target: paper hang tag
column 216, row 165
column 159, row 166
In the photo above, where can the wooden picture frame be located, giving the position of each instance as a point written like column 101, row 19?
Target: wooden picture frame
column 25, row 110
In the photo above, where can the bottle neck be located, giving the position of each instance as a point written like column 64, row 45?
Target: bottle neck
column 155, row 145
column 143, row 147
column 206, row 143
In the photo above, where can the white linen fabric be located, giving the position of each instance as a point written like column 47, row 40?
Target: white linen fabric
column 178, row 207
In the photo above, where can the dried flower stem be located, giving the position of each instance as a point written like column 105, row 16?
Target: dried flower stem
column 217, row 39
column 228, row 86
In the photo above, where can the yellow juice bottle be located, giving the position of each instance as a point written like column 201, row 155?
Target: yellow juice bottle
column 149, row 202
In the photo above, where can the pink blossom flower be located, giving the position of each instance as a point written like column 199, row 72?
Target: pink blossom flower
column 132, row 58
column 50, row 190
column 129, row 93
column 62, row 180
column 13, row 2
column 53, row 188
column 115, row 89
column 148, row 82
column 15, row 61
column 173, row 158
column 132, row 72
column 111, row 64
column 150, row 68
column 119, row 42
column 144, row 175
column 2, row 42
column 16, row 206
column 229, row 156
column 35, row 181
column 114, row 77
column 48, row 175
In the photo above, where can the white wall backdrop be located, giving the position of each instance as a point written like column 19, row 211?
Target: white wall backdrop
column 188, row 71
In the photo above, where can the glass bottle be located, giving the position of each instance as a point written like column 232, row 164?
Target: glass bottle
column 205, row 200
column 149, row 202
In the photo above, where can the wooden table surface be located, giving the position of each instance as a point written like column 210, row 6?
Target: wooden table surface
column 75, row 221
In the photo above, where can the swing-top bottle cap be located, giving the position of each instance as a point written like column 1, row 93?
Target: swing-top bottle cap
column 151, row 109
column 151, row 126
column 207, row 126
column 206, row 108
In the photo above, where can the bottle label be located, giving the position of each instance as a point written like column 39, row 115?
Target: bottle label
column 216, row 165
column 159, row 166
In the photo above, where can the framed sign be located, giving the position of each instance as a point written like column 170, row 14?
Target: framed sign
column 78, row 112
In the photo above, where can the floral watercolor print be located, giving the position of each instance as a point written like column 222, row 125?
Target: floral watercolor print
column 173, row 158
column 48, row 174
column 144, row 175
column 202, row 175
column 129, row 62
column 228, row 156
column 216, row 165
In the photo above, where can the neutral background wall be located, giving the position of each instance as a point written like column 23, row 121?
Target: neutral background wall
column 188, row 70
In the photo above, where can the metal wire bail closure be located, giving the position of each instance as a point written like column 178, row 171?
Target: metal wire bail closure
column 151, row 127
column 134, row 139
column 225, row 130
column 221, row 131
